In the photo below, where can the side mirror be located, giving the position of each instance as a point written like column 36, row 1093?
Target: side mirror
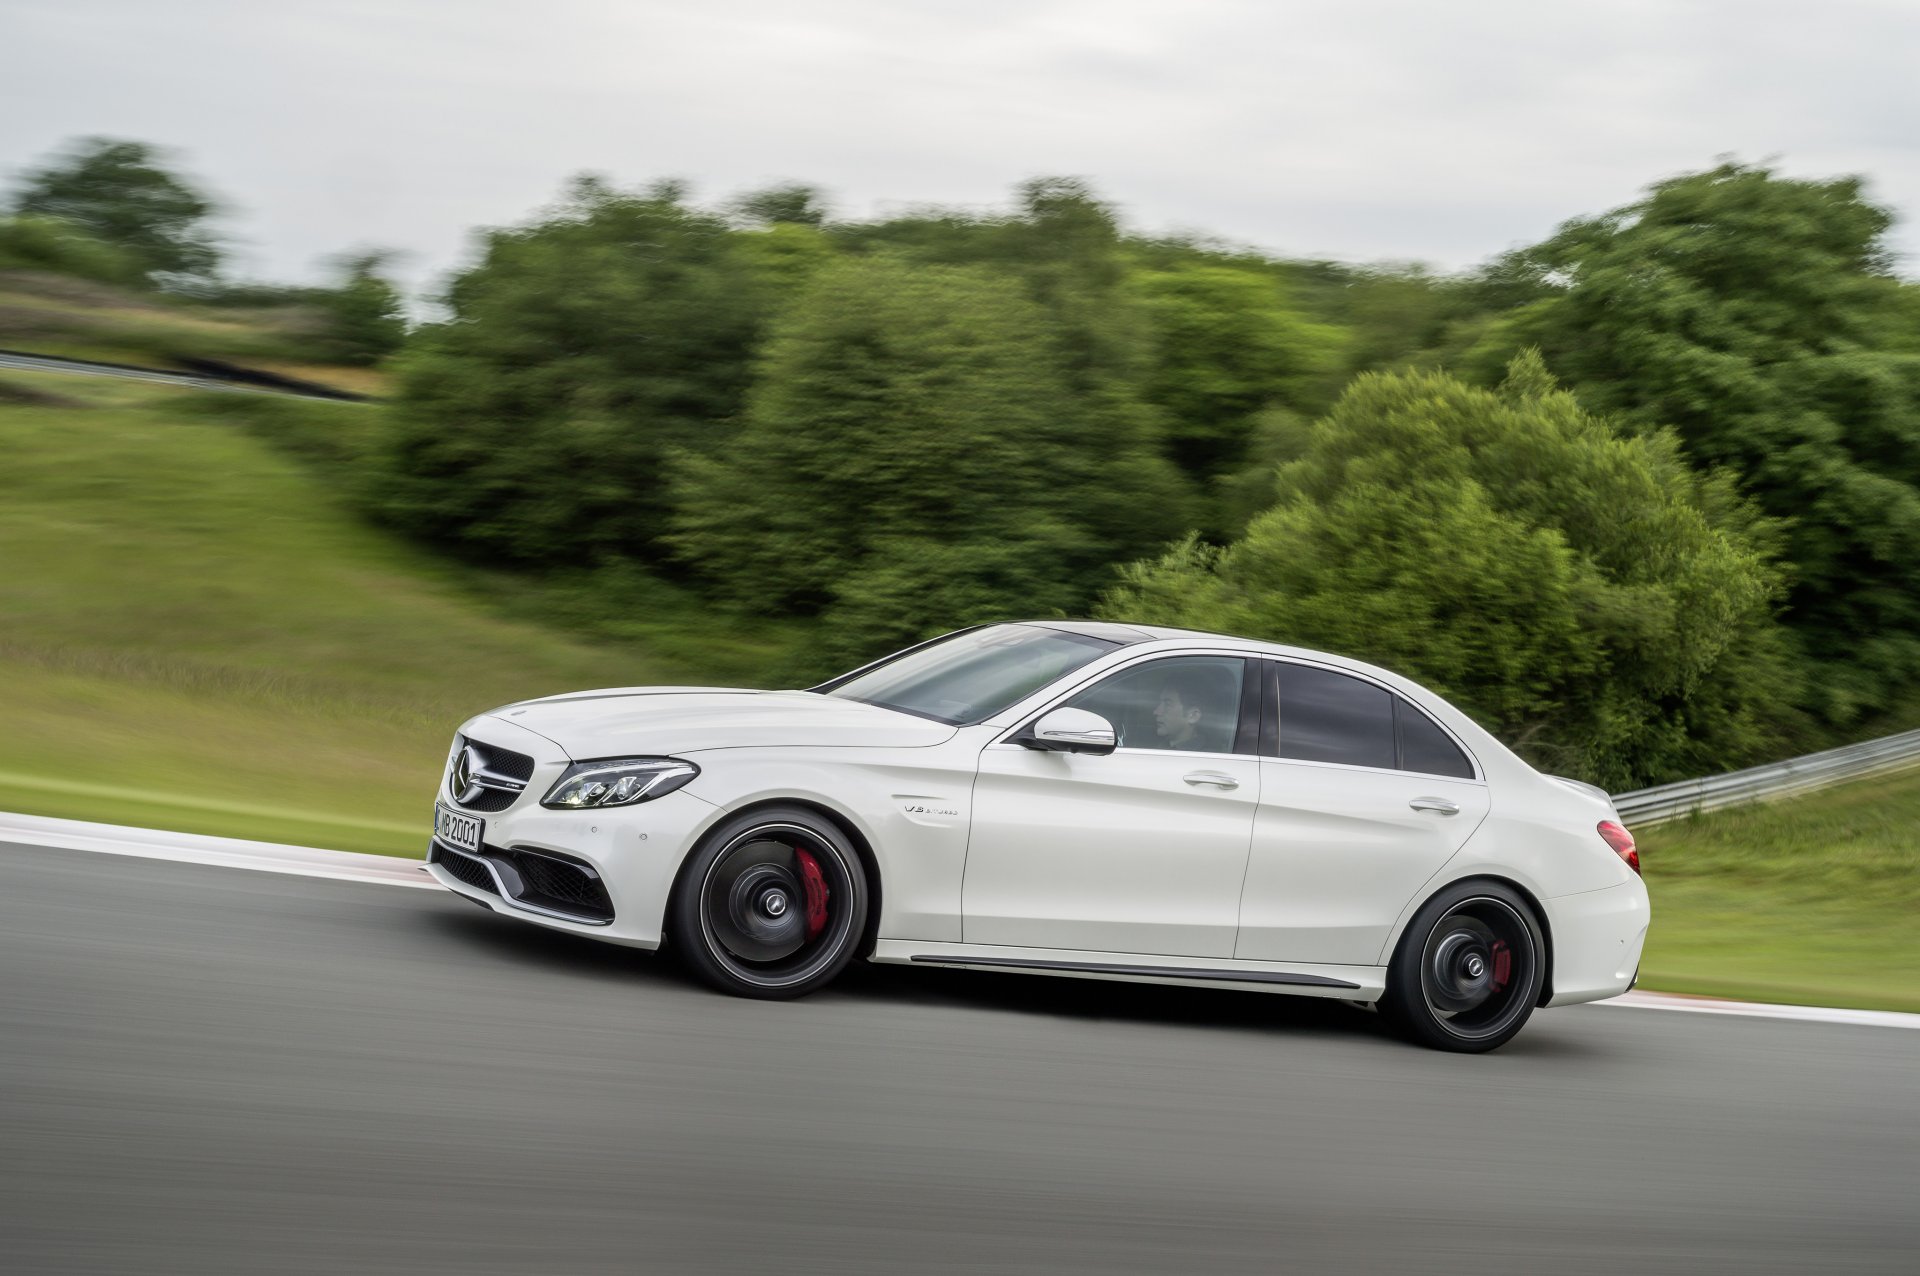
column 1071, row 731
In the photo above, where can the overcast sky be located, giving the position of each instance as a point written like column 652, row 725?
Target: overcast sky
column 1444, row 130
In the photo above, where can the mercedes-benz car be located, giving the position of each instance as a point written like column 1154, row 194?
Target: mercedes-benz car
column 1061, row 798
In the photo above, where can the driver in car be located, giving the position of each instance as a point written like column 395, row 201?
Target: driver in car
column 1195, row 711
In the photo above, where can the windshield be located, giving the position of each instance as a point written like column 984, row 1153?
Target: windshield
column 973, row 675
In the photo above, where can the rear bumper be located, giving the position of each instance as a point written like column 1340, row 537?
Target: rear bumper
column 1597, row 937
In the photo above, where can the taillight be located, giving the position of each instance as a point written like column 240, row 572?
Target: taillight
column 1621, row 841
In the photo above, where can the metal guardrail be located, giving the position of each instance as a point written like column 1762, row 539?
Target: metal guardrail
column 1776, row 779
column 201, row 374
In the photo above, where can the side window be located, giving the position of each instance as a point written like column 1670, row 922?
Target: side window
column 1329, row 717
column 1425, row 747
column 1182, row 702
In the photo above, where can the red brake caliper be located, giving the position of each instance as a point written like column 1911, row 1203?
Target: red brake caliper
column 814, row 882
column 1502, row 961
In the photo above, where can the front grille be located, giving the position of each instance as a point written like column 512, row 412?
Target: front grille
column 561, row 886
column 508, row 763
column 464, row 867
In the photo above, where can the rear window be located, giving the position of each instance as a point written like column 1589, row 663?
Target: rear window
column 1329, row 717
column 1426, row 748
column 1333, row 717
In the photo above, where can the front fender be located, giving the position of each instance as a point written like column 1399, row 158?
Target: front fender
column 912, row 809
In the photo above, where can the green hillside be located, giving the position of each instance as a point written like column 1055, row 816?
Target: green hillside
column 196, row 632
column 1814, row 900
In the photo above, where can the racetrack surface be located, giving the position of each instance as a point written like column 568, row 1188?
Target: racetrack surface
column 208, row 1070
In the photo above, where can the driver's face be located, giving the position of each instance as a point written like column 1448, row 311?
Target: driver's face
column 1172, row 719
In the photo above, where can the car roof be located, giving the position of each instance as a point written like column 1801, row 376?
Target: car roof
column 1129, row 634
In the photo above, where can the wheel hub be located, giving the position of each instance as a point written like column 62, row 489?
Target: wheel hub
column 1460, row 965
column 751, row 903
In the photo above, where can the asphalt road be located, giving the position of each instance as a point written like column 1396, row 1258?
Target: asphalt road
column 208, row 1070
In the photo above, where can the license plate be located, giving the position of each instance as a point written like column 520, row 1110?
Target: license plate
column 462, row 832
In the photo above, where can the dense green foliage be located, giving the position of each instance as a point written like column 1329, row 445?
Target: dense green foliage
column 1583, row 593
column 118, row 192
column 49, row 244
column 1757, row 316
column 533, row 425
column 908, row 462
column 1704, row 547
column 1228, row 345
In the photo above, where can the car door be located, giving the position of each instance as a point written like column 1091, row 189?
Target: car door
column 1363, row 800
column 1138, row 851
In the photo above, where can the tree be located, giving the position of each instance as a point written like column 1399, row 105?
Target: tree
column 788, row 204
column 1227, row 344
column 1065, row 248
column 1582, row 592
column 908, row 462
column 1065, row 245
column 1757, row 316
column 365, row 318
column 118, row 192
column 533, row 425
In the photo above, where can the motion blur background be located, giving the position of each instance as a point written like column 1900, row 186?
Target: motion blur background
column 1564, row 358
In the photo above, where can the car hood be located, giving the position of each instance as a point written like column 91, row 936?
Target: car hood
column 675, row 720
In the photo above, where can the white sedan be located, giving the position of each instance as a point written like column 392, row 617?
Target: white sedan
column 1061, row 798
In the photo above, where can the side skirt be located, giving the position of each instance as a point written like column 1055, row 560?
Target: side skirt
column 1351, row 983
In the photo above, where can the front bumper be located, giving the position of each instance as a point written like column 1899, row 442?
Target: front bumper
column 601, row 873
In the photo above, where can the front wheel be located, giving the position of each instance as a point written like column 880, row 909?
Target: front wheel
column 1468, row 970
column 771, row 904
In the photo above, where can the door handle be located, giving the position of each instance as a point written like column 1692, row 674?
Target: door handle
column 1439, row 806
column 1216, row 779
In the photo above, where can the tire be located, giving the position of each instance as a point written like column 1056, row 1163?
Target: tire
column 751, row 917
column 1468, row 970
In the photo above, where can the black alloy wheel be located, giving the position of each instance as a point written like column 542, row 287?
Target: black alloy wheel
column 1468, row 970
column 772, row 904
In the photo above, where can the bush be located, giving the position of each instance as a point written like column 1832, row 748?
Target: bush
column 49, row 244
column 1582, row 593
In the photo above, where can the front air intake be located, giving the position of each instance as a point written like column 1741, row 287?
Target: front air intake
column 465, row 868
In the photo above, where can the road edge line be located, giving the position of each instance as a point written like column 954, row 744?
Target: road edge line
column 1639, row 1000
column 218, row 852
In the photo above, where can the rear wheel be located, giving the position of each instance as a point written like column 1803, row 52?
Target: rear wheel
column 772, row 904
column 1468, row 970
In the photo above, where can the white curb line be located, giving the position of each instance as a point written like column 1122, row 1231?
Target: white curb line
column 1638, row 1000
column 313, row 861
column 224, row 852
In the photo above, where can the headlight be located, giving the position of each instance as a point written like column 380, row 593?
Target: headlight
column 618, row 782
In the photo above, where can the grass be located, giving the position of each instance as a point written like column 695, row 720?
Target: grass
column 1814, row 900
column 197, row 632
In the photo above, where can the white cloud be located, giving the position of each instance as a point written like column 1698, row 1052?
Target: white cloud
column 1346, row 128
